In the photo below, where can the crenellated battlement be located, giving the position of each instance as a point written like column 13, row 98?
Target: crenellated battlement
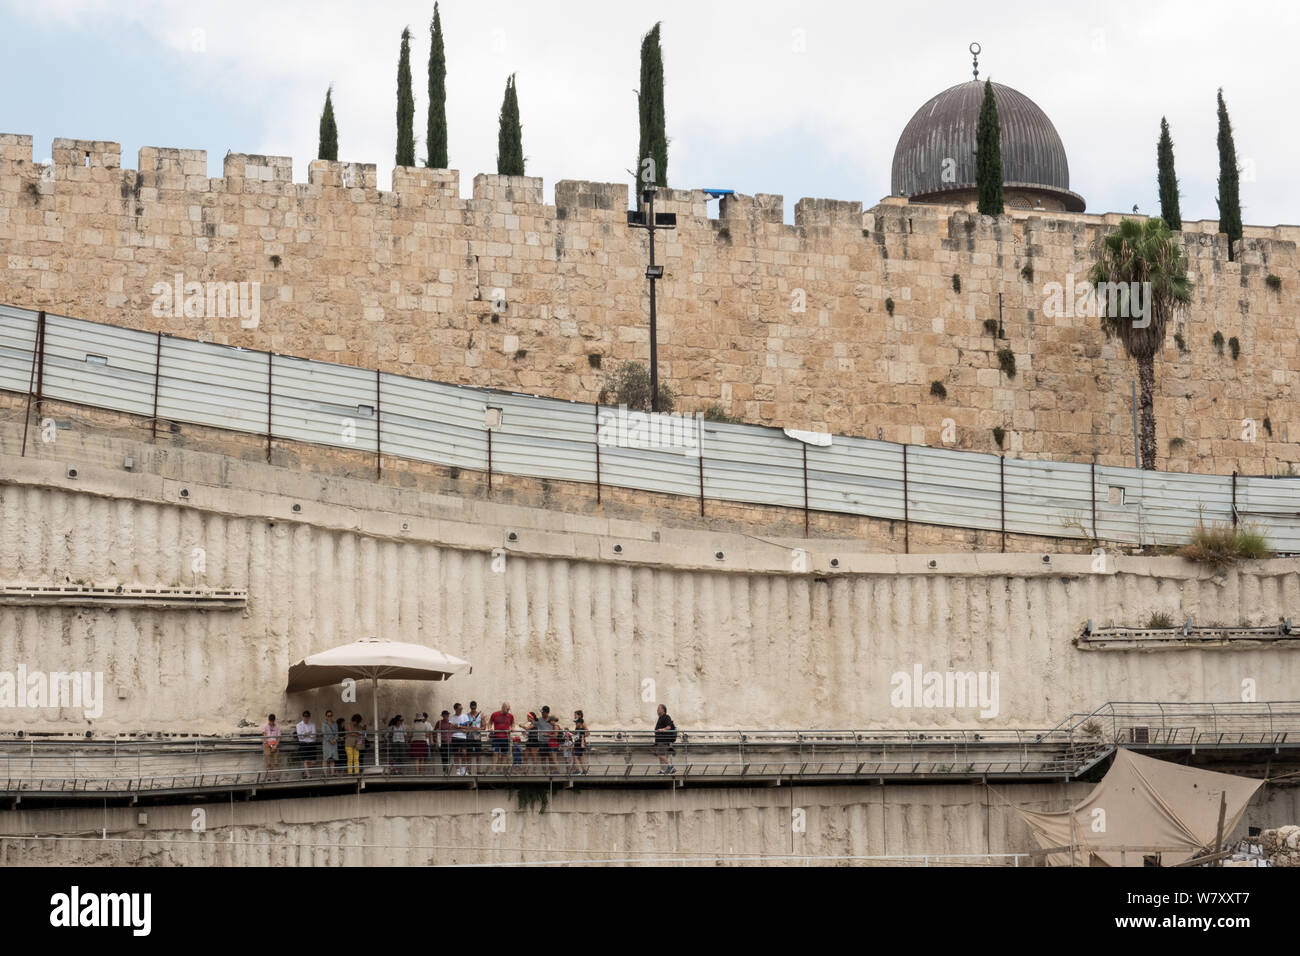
column 186, row 170
column 887, row 321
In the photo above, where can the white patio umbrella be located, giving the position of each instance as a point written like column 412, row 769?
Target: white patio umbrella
column 374, row 658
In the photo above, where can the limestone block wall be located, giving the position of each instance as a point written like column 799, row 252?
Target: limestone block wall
column 841, row 321
column 565, row 619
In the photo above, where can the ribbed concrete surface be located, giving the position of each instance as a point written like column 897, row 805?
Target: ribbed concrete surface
column 457, row 827
column 723, row 649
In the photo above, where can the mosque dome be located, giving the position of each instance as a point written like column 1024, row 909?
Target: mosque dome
column 935, row 157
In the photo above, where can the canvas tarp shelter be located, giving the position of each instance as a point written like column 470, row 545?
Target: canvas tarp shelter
column 1143, row 803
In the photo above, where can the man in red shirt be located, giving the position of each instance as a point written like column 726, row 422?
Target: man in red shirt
column 501, row 722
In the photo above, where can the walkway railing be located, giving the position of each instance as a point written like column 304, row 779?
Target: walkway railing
column 136, row 765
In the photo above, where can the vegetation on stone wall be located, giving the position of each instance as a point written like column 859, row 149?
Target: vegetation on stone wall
column 435, row 142
column 956, row 282
column 1166, row 178
column 714, row 413
column 988, row 155
column 1144, row 252
column 889, row 306
column 1234, row 347
column 1217, row 341
column 1180, row 342
column 999, row 434
column 1274, row 282
column 510, row 137
column 937, row 389
column 630, row 386
column 328, row 147
column 1229, row 195
column 1007, row 362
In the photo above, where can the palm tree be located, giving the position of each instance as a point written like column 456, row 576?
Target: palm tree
column 1149, row 254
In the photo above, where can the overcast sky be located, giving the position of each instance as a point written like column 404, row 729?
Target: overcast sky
column 803, row 99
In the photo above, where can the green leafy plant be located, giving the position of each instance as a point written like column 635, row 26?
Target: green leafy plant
column 1007, row 362
column 1217, row 340
column 889, row 306
column 1159, row 619
column 991, row 327
column 1180, row 341
column 999, row 433
column 956, row 282
column 1176, row 444
column 1027, row 273
column 1234, row 347
column 988, row 155
column 1274, row 282
column 1148, row 253
column 1268, row 426
column 937, row 389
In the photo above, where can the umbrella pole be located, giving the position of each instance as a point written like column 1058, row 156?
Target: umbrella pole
column 374, row 697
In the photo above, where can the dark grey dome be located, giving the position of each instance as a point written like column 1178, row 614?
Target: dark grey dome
column 1032, row 155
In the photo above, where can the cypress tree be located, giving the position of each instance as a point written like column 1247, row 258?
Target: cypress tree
column 405, row 105
column 436, row 140
column 1169, row 211
column 1229, row 198
column 510, row 138
column 650, row 104
column 988, row 156
column 329, row 133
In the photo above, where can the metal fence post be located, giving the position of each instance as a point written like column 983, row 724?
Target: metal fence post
column 596, row 408
column 907, row 531
column 157, row 374
column 804, row 446
column 699, row 444
column 1002, row 496
column 38, row 351
column 269, row 357
column 1093, row 490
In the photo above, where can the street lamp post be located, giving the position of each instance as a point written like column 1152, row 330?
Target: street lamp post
column 649, row 221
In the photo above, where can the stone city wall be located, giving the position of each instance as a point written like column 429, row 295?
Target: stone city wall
column 841, row 321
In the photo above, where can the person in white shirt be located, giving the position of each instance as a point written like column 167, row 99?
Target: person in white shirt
column 459, row 739
column 307, row 745
column 421, row 732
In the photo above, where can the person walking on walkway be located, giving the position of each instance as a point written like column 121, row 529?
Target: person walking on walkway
column 665, row 737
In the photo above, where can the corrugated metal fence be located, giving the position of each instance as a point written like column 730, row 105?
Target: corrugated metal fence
column 165, row 378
